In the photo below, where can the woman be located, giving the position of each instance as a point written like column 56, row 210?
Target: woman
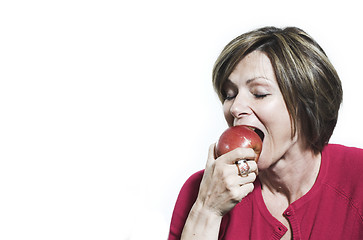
column 281, row 82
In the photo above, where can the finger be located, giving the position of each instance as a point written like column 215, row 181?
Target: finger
column 246, row 189
column 253, row 166
column 242, row 167
column 241, row 192
column 250, row 178
column 238, row 154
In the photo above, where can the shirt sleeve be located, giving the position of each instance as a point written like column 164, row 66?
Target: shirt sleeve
column 186, row 198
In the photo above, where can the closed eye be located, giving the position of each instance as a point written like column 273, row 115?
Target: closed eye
column 260, row 96
column 229, row 90
column 229, row 94
column 229, row 97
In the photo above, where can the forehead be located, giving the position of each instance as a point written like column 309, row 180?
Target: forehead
column 254, row 65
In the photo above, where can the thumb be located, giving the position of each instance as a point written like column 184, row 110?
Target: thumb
column 211, row 155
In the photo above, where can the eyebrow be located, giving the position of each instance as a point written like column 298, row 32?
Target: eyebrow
column 255, row 78
column 229, row 81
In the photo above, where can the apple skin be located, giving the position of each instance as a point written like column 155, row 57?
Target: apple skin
column 240, row 136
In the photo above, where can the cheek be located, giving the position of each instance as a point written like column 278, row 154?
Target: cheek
column 278, row 121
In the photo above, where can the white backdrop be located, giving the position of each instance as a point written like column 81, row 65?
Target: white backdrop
column 106, row 107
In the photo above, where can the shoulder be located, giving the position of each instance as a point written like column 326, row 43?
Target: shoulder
column 190, row 189
column 194, row 179
column 349, row 156
column 341, row 149
column 186, row 198
column 344, row 166
column 343, row 158
column 346, row 162
column 189, row 192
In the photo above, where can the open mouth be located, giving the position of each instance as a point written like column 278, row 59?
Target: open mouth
column 259, row 132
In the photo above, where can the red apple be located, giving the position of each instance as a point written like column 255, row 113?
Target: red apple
column 239, row 136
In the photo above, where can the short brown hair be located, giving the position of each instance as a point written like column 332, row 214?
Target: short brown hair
column 309, row 83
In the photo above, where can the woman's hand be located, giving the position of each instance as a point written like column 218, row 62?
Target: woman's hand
column 220, row 190
column 221, row 187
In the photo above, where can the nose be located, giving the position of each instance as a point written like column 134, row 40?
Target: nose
column 240, row 107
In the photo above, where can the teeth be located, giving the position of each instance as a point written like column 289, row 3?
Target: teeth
column 252, row 128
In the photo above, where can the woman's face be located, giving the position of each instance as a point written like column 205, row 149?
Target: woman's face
column 253, row 98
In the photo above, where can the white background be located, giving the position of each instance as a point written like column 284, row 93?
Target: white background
column 106, row 107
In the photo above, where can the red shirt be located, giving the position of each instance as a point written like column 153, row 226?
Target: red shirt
column 332, row 209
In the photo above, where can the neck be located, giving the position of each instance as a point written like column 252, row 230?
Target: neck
column 292, row 176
